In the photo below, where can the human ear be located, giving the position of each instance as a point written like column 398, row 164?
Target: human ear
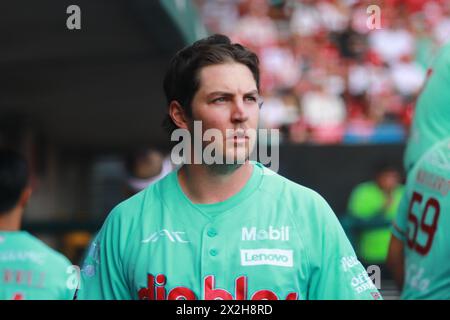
column 178, row 115
column 25, row 196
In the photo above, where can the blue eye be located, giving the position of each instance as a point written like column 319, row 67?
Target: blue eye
column 250, row 99
column 218, row 100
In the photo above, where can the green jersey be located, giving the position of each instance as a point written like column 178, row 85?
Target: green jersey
column 432, row 115
column 30, row 270
column 367, row 202
column 274, row 239
column 423, row 224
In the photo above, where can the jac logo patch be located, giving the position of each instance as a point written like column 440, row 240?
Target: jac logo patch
column 172, row 236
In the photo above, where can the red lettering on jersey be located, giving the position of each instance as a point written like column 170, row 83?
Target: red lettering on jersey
column 264, row 295
column 18, row 296
column 160, row 290
column 156, row 288
column 181, row 293
column 215, row 294
column 149, row 292
column 292, row 296
column 143, row 294
column 241, row 288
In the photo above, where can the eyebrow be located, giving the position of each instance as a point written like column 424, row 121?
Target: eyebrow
column 229, row 94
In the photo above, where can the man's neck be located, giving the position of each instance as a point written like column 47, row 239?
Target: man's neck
column 210, row 184
column 10, row 221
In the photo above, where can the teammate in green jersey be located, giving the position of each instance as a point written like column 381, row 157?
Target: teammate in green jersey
column 432, row 115
column 222, row 231
column 420, row 246
column 29, row 270
column 418, row 271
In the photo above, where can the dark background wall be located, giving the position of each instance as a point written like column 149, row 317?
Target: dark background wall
column 334, row 170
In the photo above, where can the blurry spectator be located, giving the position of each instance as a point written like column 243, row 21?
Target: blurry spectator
column 373, row 204
column 298, row 132
column 352, row 45
column 371, row 76
column 219, row 15
column 324, row 114
column 305, row 44
column 401, row 41
column 306, row 20
column 335, row 15
column 441, row 30
column 280, row 68
column 145, row 167
column 272, row 113
column 408, row 76
column 279, row 110
column 360, row 123
column 359, row 17
column 255, row 29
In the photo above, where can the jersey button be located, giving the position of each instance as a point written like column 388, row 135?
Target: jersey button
column 213, row 252
column 212, row 233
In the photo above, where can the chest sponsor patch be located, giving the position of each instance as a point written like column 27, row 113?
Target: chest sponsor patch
column 273, row 257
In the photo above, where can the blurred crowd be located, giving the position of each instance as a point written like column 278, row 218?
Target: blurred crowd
column 329, row 75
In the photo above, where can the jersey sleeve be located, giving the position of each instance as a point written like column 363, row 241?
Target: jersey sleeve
column 400, row 224
column 69, row 280
column 102, row 273
column 336, row 273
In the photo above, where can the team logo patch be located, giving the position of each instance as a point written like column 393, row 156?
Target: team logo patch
column 172, row 236
column 273, row 257
column 92, row 259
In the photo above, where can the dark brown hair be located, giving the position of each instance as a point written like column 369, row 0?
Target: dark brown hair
column 182, row 78
column 13, row 178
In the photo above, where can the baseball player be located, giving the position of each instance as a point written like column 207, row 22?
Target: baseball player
column 29, row 269
column 420, row 247
column 234, row 231
column 418, row 253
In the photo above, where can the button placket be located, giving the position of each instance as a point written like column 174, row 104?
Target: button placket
column 211, row 240
column 210, row 250
column 212, row 232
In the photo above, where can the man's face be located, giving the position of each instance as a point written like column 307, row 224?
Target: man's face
column 388, row 180
column 228, row 98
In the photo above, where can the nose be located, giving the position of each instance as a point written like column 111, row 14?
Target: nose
column 238, row 112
